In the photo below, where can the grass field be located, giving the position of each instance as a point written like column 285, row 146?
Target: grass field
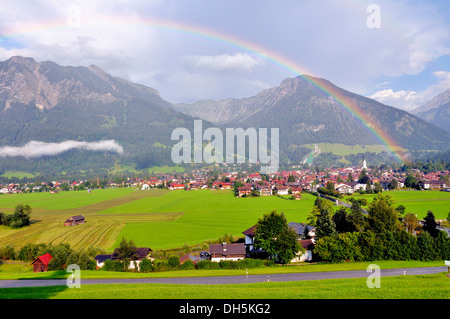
column 344, row 150
column 162, row 219
column 401, row 287
column 17, row 174
column 418, row 202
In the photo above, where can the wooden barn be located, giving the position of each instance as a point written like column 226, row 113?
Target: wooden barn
column 40, row 264
column 74, row 220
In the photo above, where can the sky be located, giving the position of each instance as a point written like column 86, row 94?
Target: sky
column 397, row 52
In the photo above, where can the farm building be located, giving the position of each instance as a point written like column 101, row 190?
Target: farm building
column 226, row 251
column 40, row 264
column 74, row 220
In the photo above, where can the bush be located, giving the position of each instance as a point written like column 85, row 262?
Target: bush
column 146, row 265
column 187, row 265
column 160, row 265
column 8, row 253
column 174, row 261
column 207, row 264
column 228, row 264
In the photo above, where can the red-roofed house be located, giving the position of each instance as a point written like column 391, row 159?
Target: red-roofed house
column 40, row 264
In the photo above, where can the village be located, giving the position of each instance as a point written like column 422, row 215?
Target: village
column 345, row 180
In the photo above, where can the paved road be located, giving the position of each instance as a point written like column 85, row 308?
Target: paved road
column 229, row 279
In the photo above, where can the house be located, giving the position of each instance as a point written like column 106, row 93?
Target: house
column 244, row 190
column 301, row 228
column 282, row 190
column 100, row 260
column 344, row 188
column 226, row 251
column 139, row 255
column 40, row 264
column 308, row 245
column 176, row 186
column 297, row 196
column 195, row 258
column 264, row 190
column 74, row 220
column 249, row 239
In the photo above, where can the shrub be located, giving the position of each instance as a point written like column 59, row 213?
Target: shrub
column 207, row 264
column 146, row 265
column 8, row 253
column 188, row 265
column 228, row 264
column 160, row 265
column 174, row 261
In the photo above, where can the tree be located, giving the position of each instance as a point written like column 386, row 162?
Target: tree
column 319, row 204
column 273, row 235
column 127, row 252
column 382, row 216
column 363, row 178
column 356, row 216
column 368, row 187
column 324, row 224
column 349, row 177
column 377, row 188
column 410, row 181
column 342, row 222
column 411, row 223
column 21, row 216
column 430, row 224
column 400, row 209
column 393, row 184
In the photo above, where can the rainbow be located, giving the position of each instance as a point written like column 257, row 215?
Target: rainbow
column 229, row 41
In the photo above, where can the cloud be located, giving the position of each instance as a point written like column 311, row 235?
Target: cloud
column 409, row 100
column 225, row 62
column 35, row 149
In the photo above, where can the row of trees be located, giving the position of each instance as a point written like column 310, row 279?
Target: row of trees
column 384, row 233
column 63, row 255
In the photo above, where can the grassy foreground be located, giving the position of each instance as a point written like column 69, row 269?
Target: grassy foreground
column 401, row 287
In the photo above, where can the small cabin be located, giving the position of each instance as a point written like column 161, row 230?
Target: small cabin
column 40, row 264
column 75, row 220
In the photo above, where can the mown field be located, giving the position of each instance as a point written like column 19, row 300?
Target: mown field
column 162, row 219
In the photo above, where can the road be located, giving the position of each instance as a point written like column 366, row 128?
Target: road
column 222, row 280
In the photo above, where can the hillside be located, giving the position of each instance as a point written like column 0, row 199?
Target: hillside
column 437, row 111
column 52, row 103
column 306, row 115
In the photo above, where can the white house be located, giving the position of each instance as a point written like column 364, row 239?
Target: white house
column 226, row 251
column 307, row 255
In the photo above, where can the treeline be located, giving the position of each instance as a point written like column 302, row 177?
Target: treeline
column 63, row 255
column 173, row 263
column 383, row 234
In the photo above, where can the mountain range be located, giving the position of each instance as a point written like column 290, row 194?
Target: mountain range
column 436, row 111
column 43, row 101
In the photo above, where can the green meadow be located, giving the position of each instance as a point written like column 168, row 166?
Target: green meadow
column 400, row 287
column 163, row 219
column 418, row 202
column 344, row 150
